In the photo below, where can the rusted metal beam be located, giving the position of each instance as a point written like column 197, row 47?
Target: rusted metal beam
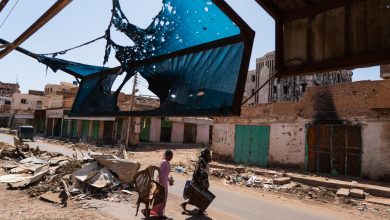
column 47, row 16
column 314, row 9
column 3, row 3
column 270, row 8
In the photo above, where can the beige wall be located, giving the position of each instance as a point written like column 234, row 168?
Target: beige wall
column 376, row 150
column 287, row 144
column 155, row 129
column 223, row 141
column 31, row 102
column 202, row 134
column 177, row 135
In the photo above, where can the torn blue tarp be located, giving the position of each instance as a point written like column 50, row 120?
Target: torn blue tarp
column 195, row 56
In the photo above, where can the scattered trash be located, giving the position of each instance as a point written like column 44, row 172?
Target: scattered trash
column 180, row 169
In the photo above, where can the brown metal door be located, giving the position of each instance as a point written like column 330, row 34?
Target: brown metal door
column 334, row 149
column 354, row 151
column 189, row 133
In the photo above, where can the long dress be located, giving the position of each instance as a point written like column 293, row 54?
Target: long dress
column 165, row 169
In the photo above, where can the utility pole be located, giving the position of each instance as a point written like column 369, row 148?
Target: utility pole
column 130, row 121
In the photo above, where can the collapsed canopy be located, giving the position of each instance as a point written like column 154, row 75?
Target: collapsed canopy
column 194, row 55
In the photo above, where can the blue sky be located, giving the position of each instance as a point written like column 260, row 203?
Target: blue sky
column 84, row 20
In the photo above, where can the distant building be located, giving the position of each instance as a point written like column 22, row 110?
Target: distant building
column 385, row 71
column 7, row 89
column 285, row 89
column 36, row 92
column 62, row 87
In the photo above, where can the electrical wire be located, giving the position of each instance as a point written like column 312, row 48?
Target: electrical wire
column 5, row 19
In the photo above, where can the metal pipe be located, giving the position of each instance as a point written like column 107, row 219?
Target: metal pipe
column 46, row 17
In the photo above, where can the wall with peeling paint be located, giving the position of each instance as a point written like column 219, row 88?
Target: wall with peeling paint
column 287, row 144
column 376, row 150
column 223, row 141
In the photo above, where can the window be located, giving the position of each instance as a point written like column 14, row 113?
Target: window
column 23, row 101
column 285, row 90
column 253, row 78
column 7, row 102
column 39, row 104
column 253, row 91
column 275, row 89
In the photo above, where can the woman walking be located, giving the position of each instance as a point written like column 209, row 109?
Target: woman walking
column 200, row 177
column 165, row 168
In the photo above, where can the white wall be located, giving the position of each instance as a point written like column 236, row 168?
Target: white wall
column 31, row 101
column 287, row 144
column 376, row 150
column 223, row 140
column 177, row 135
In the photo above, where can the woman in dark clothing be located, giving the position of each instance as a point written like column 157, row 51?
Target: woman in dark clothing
column 200, row 176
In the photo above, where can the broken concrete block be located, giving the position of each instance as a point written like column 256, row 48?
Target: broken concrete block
column 102, row 178
column 357, row 193
column 125, row 169
column 83, row 174
column 378, row 200
column 282, row 180
column 342, row 192
column 51, row 197
column 290, row 185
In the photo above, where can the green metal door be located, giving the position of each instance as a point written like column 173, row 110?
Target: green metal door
column 74, row 129
column 95, row 130
column 252, row 144
column 85, row 130
column 145, row 129
column 65, row 128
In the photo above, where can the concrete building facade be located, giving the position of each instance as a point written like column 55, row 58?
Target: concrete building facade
column 341, row 129
column 285, row 89
column 8, row 89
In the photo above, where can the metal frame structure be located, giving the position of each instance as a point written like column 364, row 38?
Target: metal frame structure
column 46, row 17
column 308, row 10
column 246, row 36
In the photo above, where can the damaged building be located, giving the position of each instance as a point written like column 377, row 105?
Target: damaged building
column 286, row 88
column 338, row 129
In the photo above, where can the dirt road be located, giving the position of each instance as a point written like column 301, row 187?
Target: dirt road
column 230, row 203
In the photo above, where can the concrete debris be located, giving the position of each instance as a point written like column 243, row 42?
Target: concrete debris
column 14, row 178
column 86, row 172
column 282, row 180
column 25, row 168
column 342, row 192
column 378, row 200
column 51, row 197
column 127, row 192
column 32, row 179
column 101, row 179
column 357, row 193
column 33, row 160
column 124, row 169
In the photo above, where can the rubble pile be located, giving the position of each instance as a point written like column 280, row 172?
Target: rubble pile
column 47, row 175
column 275, row 183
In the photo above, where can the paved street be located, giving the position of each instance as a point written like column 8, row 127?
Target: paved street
column 236, row 205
